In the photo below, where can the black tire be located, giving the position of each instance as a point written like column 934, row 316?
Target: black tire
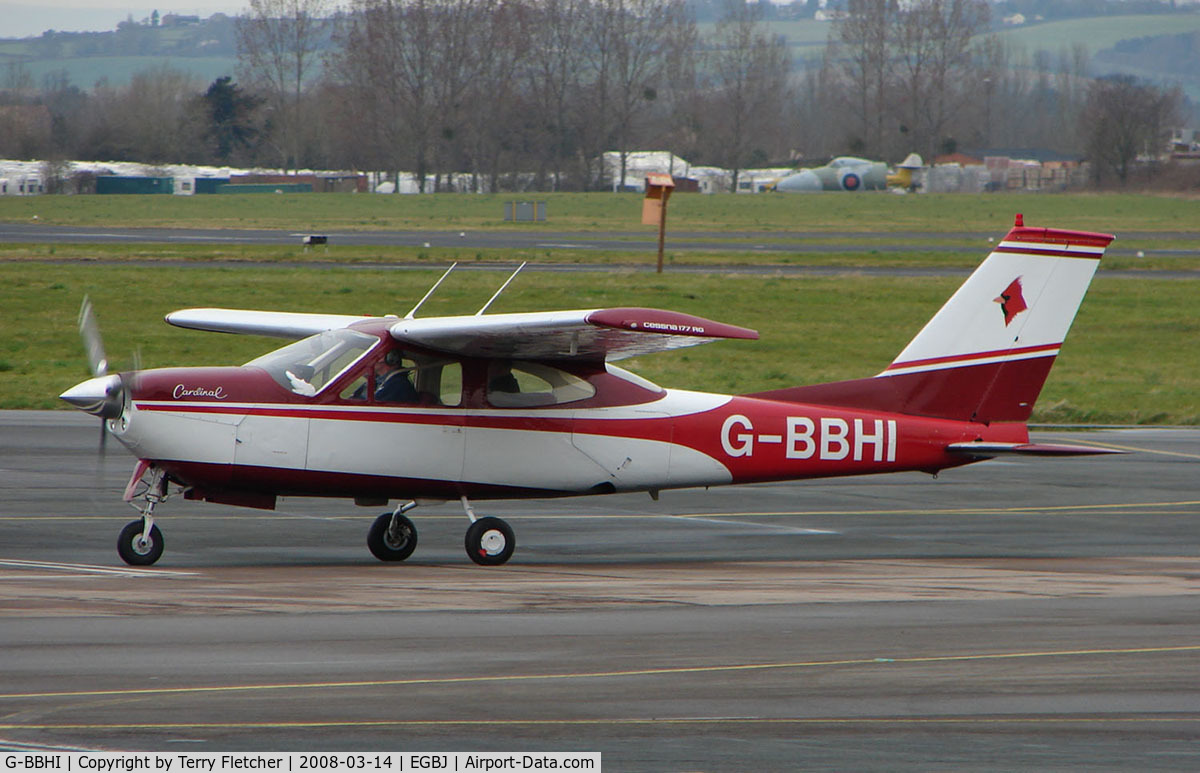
column 133, row 551
column 387, row 547
column 490, row 541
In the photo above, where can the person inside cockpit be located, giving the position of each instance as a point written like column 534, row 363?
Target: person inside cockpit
column 393, row 384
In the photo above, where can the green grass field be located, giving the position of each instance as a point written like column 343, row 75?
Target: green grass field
column 870, row 212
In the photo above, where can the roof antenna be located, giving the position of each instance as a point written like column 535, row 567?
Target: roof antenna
column 506, row 284
column 436, row 284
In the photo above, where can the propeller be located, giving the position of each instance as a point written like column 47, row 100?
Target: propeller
column 89, row 330
column 103, row 394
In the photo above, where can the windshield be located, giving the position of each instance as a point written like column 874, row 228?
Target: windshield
column 305, row 367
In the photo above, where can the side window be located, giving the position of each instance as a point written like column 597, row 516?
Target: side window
column 356, row 391
column 528, row 384
column 450, row 385
column 418, row 380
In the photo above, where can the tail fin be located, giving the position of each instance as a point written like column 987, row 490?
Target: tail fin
column 986, row 354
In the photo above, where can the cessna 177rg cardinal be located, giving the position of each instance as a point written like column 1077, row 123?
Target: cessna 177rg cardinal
column 529, row 405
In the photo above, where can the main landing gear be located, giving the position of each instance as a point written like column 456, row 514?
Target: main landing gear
column 489, row 541
column 393, row 537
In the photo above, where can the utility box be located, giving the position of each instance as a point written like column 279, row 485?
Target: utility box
column 525, row 211
column 658, row 190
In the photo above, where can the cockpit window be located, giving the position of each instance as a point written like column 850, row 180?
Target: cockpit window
column 306, row 366
column 528, row 384
column 402, row 377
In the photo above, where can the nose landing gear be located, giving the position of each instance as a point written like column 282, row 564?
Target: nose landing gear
column 141, row 542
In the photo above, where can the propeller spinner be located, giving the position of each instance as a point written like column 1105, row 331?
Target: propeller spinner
column 102, row 395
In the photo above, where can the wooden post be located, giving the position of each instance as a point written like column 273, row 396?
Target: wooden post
column 654, row 207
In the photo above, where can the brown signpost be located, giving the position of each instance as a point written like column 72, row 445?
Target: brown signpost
column 654, row 207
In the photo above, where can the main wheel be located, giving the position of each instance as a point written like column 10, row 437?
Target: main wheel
column 490, row 541
column 388, row 544
column 135, row 551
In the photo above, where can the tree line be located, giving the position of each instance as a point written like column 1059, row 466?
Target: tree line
column 528, row 94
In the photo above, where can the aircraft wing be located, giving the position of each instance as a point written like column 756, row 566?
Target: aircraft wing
column 610, row 334
column 279, row 324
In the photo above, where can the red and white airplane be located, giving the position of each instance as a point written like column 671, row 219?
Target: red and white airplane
column 530, row 405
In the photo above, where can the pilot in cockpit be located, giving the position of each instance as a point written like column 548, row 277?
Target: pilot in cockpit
column 393, row 383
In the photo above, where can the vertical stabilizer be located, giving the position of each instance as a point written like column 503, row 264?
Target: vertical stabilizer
column 986, row 353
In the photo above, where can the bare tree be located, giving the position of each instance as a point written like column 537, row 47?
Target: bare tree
column 386, row 59
column 859, row 45
column 633, row 43
column 1126, row 119
column 155, row 110
column 936, row 76
column 492, row 117
column 278, row 41
column 749, row 71
column 553, row 73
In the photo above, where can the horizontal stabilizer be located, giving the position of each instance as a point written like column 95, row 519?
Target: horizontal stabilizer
column 1025, row 449
column 278, row 324
column 610, row 334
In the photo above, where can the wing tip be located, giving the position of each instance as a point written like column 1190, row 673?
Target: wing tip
column 645, row 320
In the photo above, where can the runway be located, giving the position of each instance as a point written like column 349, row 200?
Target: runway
column 1029, row 614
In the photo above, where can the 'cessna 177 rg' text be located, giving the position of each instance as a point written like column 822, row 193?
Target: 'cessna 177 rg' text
column 413, row 409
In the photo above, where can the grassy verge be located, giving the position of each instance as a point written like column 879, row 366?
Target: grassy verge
column 868, row 212
column 1132, row 357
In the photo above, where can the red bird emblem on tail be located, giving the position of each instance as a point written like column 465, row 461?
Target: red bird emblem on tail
column 1011, row 301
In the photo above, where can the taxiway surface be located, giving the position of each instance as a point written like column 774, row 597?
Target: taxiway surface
column 1024, row 614
column 538, row 238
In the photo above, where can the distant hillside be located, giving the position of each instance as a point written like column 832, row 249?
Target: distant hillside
column 205, row 47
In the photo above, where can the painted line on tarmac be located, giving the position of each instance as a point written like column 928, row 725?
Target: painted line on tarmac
column 1140, row 450
column 665, row 671
column 957, row 510
column 1057, row 719
column 93, row 569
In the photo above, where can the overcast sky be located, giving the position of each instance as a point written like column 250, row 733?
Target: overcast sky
column 23, row 19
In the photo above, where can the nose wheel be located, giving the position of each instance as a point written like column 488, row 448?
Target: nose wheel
column 138, row 547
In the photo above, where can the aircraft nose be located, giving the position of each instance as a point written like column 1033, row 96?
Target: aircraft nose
column 101, row 396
